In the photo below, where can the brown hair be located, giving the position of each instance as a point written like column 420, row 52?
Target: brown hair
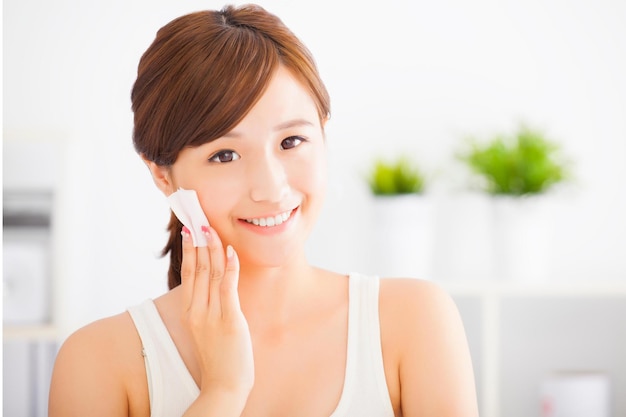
column 201, row 76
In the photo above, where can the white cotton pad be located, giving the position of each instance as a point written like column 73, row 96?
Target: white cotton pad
column 186, row 207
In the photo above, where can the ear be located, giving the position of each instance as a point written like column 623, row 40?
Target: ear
column 161, row 176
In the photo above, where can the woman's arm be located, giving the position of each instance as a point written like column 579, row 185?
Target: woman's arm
column 435, row 367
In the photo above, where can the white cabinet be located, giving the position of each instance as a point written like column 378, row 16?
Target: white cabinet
column 29, row 334
column 520, row 334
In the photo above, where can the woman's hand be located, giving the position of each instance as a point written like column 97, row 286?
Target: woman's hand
column 209, row 278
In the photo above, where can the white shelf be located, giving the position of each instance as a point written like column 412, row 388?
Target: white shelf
column 530, row 289
column 33, row 333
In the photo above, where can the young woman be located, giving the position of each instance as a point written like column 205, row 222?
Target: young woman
column 230, row 104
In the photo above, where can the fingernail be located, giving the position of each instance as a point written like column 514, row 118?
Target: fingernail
column 229, row 252
column 186, row 234
column 206, row 231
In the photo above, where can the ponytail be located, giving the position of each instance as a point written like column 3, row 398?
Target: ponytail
column 175, row 248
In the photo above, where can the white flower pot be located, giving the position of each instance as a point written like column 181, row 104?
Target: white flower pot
column 402, row 238
column 522, row 238
column 576, row 394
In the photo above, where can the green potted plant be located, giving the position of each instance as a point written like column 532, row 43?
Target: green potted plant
column 401, row 218
column 397, row 177
column 518, row 171
column 523, row 164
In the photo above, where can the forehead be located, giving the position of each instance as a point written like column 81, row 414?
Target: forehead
column 285, row 99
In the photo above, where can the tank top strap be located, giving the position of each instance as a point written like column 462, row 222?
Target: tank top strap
column 365, row 387
column 170, row 385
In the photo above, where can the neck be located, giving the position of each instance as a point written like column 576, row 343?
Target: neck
column 272, row 295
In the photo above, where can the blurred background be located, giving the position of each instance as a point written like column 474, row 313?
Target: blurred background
column 83, row 224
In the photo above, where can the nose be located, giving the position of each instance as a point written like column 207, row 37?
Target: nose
column 268, row 179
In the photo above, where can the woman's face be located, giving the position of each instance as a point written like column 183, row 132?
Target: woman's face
column 262, row 184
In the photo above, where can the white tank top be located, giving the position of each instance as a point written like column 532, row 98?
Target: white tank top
column 172, row 388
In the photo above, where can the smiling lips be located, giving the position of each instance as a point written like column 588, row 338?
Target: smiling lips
column 270, row 221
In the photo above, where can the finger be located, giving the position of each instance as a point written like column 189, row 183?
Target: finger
column 216, row 270
column 201, row 285
column 187, row 268
column 229, row 295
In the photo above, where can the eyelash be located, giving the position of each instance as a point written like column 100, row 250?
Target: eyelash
column 216, row 157
column 235, row 156
column 297, row 138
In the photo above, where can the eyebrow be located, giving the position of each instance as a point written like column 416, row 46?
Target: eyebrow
column 282, row 126
column 293, row 123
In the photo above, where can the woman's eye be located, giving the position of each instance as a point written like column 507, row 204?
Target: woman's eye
column 291, row 142
column 224, row 156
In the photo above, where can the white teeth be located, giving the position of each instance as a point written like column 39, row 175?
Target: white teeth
column 270, row 221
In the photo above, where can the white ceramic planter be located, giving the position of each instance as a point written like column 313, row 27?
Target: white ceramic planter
column 402, row 238
column 576, row 394
column 522, row 238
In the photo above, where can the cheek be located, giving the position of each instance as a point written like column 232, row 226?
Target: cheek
column 216, row 188
column 313, row 174
column 216, row 199
column 319, row 178
column 321, row 167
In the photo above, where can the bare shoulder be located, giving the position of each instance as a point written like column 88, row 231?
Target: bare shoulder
column 408, row 300
column 96, row 369
column 424, row 336
column 413, row 311
column 411, row 288
column 108, row 339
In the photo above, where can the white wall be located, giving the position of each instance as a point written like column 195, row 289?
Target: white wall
column 403, row 76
